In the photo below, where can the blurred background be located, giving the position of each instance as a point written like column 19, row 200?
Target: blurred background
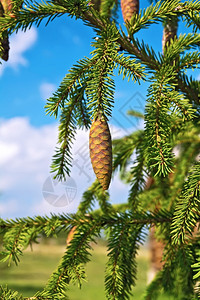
column 39, row 262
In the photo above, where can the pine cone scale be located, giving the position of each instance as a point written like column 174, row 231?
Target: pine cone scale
column 129, row 7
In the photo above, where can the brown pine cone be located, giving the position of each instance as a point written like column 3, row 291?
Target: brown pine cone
column 101, row 150
column 4, row 42
column 169, row 32
column 129, row 7
column 7, row 5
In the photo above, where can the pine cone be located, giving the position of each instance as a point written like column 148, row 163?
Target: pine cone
column 101, row 150
column 129, row 7
column 169, row 32
column 7, row 5
column 4, row 42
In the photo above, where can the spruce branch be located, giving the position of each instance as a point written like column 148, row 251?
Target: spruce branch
column 189, row 61
column 76, row 256
column 15, row 241
column 171, row 120
column 152, row 14
column 135, row 113
column 88, row 198
column 120, row 279
column 157, row 120
column 189, row 87
column 177, row 273
column 175, row 279
column 192, row 19
column 67, row 221
column 77, row 75
column 34, row 12
column 196, row 268
column 143, row 52
column 179, row 45
column 187, row 158
column 137, row 175
column 6, row 293
column 128, row 67
column 181, row 107
column 100, row 86
column 93, row 19
column 62, row 158
column 108, row 9
column 92, row 194
column 100, row 90
column 123, row 149
column 187, row 208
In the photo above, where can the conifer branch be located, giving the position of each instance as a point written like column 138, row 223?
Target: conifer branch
column 187, row 209
column 189, row 88
column 143, row 53
column 137, row 175
column 62, row 158
column 180, row 44
column 77, row 75
column 7, row 294
column 182, row 107
column 192, row 19
column 108, row 9
column 33, row 13
column 135, row 113
column 177, row 271
column 88, row 198
column 196, row 268
column 16, row 240
column 94, row 192
column 77, row 254
column 187, row 157
column 66, row 221
column 120, row 279
column 189, row 60
column 123, row 149
column 153, row 14
column 159, row 155
column 128, row 67
column 100, row 87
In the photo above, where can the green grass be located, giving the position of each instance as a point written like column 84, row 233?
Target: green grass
column 35, row 268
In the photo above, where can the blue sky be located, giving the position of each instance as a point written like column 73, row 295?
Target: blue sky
column 45, row 59
column 39, row 59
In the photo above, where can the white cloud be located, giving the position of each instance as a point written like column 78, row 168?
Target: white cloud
column 8, row 207
column 19, row 44
column 26, row 154
column 8, row 150
column 46, row 90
